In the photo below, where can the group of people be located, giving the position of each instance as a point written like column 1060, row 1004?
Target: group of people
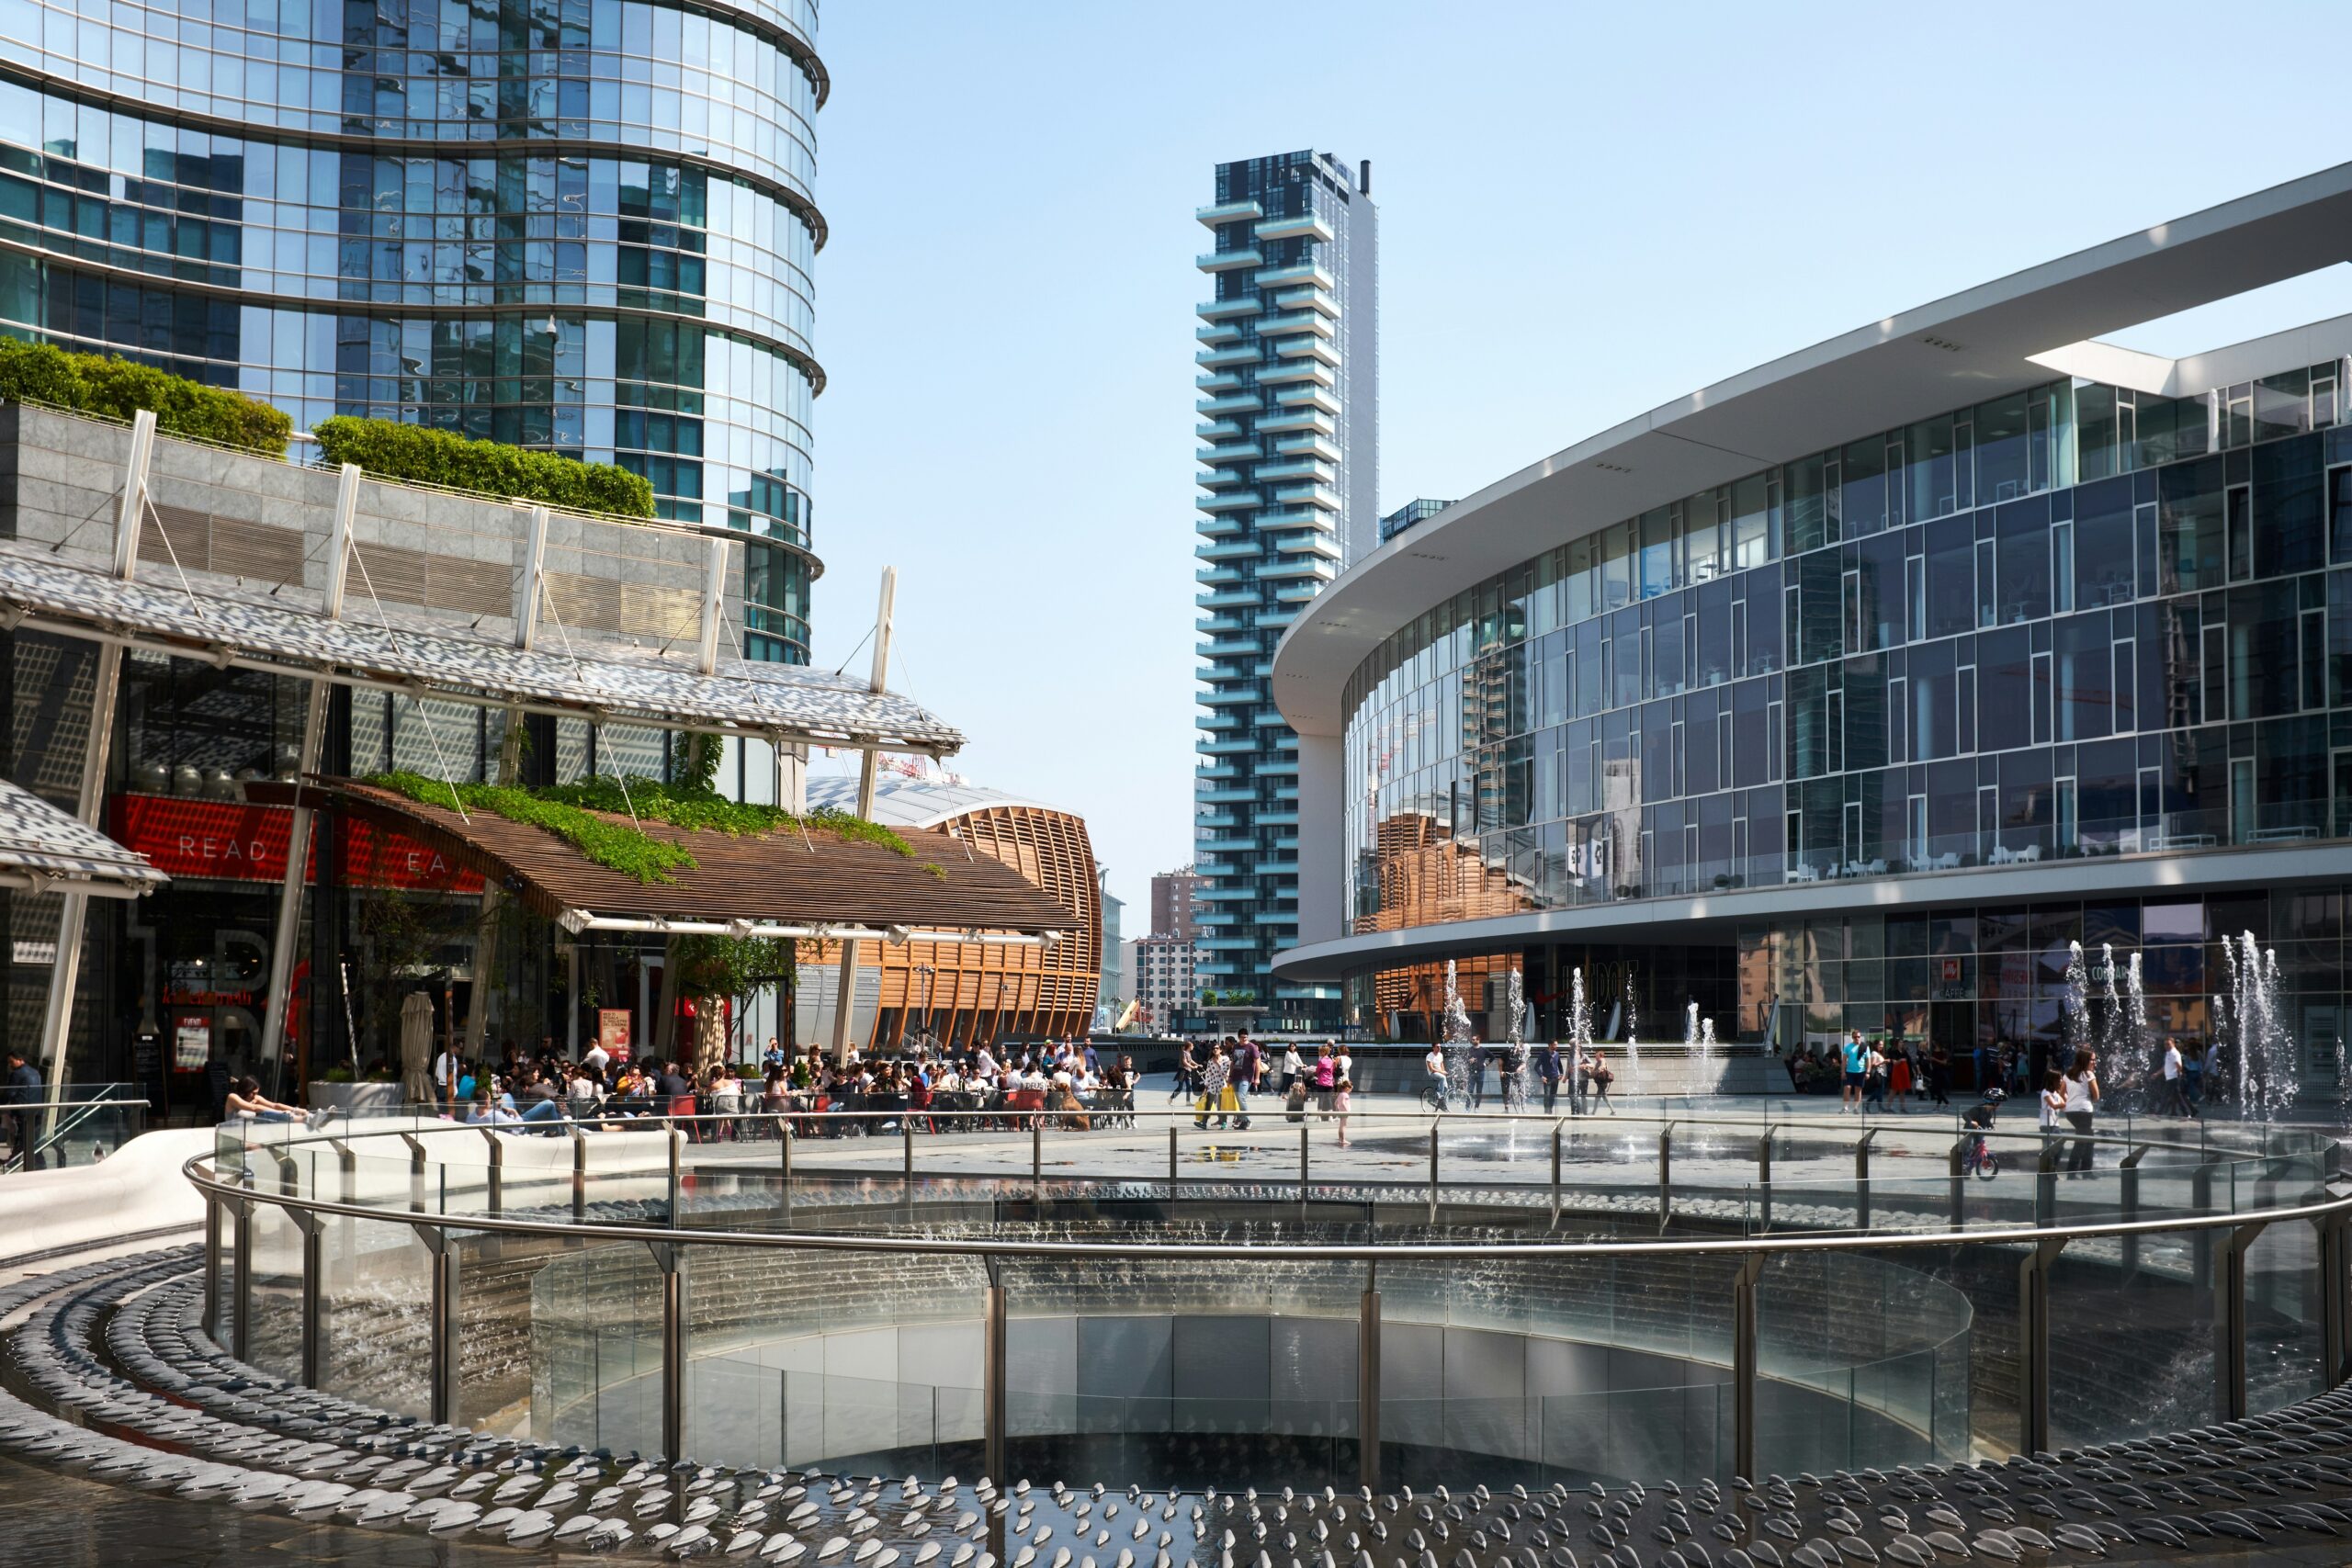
column 1869, row 1075
column 1582, row 1069
column 1219, row 1076
column 1872, row 1073
column 823, row 1097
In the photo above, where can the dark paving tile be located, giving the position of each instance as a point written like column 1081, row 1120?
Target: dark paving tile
column 51, row 1519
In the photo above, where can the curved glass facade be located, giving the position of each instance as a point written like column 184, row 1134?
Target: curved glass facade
column 582, row 225
column 2073, row 622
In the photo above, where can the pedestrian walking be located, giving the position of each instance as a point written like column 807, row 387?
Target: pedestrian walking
column 2176, row 1080
column 1243, row 1079
column 1548, row 1067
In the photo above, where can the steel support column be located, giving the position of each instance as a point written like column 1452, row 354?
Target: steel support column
column 1764, row 1181
column 677, row 1175
column 1666, row 1176
column 1959, row 1163
column 2200, row 1202
column 314, row 729
column 2045, row 1183
column 1862, row 1179
column 1434, row 1172
column 1302, row 1176
column 312, row 1225
column 1556, row 1173
column 1744, row 1364
column 495, row 1170
column 2128, row 1201
column 66, row 968
column 442, row 1359
column 2334, row 1315
column 2229, row 1320
column 415, row 1171
column 2033, row 1344
column 992, row 1389
column 347, row 1161
column 846, row 989
column 670, row 1258
column 1368, row 1383
column 212, row 1209
column 1171, row 1170
column 579, row 1173
column 241, row 1301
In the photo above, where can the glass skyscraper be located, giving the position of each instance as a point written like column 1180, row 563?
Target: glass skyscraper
column 579, row 225
column 1289, row 383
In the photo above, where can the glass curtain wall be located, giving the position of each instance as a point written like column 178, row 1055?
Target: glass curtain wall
column 2063, row 623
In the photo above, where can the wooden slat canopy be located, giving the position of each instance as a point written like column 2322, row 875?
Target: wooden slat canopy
column 787, row 877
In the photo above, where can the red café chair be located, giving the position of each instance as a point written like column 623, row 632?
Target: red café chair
column 684, row 1105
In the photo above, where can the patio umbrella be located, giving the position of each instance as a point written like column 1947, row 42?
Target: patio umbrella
column 416, row 1048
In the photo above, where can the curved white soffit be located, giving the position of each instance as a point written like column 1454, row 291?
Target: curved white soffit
column 1972, row 346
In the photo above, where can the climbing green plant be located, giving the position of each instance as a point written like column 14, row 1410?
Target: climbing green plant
column 617, row 846
column 571, row 813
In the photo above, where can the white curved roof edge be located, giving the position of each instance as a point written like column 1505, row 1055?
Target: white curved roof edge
column 1678, row 918
column 901, row 802
column 1999, row 337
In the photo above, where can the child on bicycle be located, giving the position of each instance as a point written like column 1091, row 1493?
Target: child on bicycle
column 1978, row 1119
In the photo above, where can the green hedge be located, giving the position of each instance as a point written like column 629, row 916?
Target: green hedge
column 392, row 450
column 101, row 384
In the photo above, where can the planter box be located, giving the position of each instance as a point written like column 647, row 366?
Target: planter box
column 357, row 1100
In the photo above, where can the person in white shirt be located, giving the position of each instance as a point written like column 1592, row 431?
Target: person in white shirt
column 2080, row 1088
column 597, row 1059
column 2054, row 1104
column 1434, row 1066
column 2176, row 1080
column 445, row 1080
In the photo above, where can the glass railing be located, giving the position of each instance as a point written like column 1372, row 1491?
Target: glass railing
column 77, row 1124
column 1185, row 1297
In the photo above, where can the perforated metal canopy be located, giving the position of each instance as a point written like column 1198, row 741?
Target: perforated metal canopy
column 48, row 850
column 428, row 658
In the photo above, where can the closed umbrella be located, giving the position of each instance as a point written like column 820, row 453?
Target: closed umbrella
column 416, row 1048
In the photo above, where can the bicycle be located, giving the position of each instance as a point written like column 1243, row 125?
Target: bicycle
column 1978, row 1161
column 1433, row 1098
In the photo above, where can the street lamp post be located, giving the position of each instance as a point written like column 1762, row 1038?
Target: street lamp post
column 928, row 974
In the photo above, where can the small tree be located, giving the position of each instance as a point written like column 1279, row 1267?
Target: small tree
column 713, row 970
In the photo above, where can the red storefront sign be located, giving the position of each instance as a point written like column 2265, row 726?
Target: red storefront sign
column 247, row 843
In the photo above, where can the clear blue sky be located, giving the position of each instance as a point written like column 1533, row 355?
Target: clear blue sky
column 1584, row 211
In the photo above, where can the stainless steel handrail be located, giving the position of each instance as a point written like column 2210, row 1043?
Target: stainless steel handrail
column 2038, row 1244
column 209, row 1184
